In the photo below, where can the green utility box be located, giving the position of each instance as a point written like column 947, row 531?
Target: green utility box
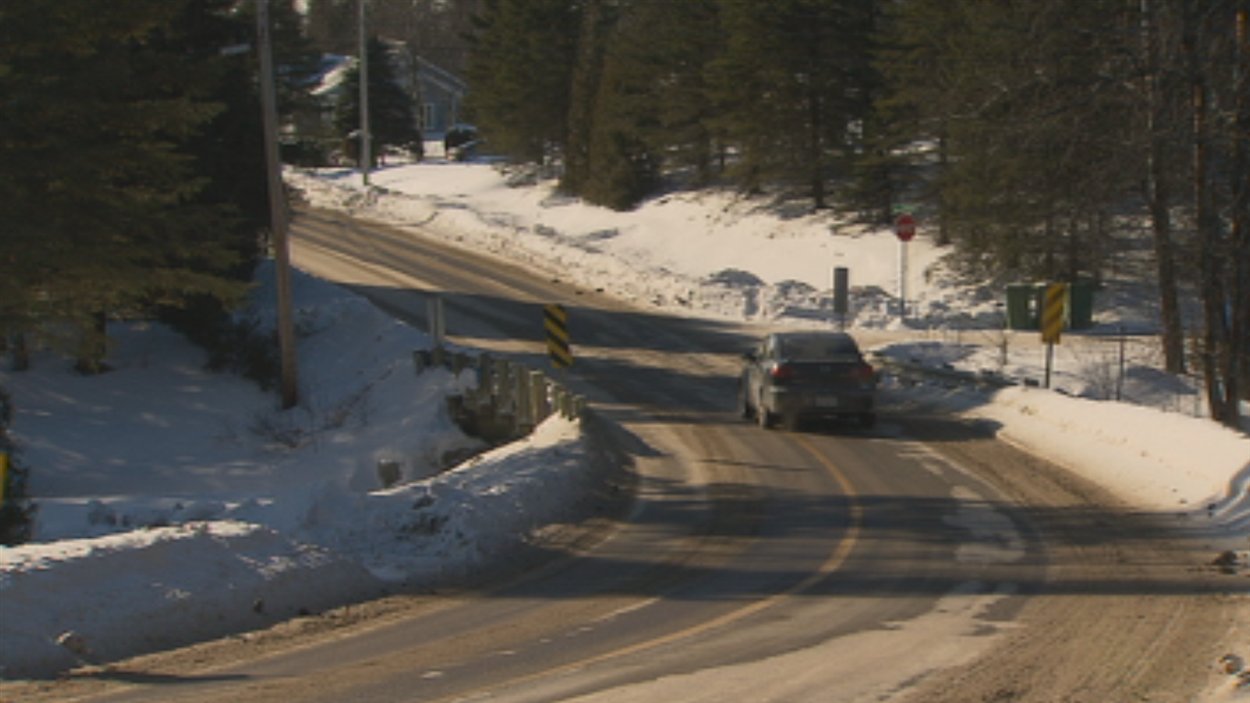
column 1022, row 307
column 1081, row 305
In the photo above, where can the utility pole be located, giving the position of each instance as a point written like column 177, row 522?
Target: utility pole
column 365, row 155
column 277, row 209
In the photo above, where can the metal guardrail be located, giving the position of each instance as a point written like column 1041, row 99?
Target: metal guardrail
column 509, row 401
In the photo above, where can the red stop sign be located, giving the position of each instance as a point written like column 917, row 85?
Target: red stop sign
column 905, row 227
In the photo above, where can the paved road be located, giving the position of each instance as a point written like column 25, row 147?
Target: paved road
column 922, row 559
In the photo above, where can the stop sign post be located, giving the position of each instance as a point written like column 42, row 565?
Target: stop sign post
column 904, row 229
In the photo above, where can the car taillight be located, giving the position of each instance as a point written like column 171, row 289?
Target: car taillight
column 781, row 372
column 864, row 373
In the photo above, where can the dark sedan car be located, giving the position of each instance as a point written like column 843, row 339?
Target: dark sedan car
column 796, row 375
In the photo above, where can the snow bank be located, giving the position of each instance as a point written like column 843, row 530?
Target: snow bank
column 176, row 504
column 1152, row 459
column 151, row 589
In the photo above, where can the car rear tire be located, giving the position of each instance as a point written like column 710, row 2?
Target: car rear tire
column 868, row 420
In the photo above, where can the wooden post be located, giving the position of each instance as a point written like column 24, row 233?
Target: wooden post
column 277, row 211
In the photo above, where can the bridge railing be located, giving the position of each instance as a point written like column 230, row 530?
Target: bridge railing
column 509, row 399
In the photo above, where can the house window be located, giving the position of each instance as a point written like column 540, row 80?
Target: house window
column 429, row 117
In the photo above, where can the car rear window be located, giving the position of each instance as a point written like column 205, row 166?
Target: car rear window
column 837, row 348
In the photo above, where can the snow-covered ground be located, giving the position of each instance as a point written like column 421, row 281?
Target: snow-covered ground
column 176, row 504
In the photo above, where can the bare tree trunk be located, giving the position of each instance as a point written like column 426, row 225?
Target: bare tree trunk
column 943, row 234
column 1173, row 331
column 1240, row 337
column 1210, row 273
column 1158, row 193
column 815, row 148
column 1214, row 250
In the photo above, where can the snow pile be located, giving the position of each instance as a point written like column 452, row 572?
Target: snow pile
column 156, row 588
column 1156, row 461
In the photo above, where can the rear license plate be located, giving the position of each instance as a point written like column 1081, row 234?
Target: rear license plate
column 826, row 401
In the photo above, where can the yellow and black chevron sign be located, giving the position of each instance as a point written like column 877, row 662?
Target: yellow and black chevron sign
column 556, row 322
column 1054, row 311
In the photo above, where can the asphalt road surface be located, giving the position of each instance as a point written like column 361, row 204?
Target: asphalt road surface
column 922, row 560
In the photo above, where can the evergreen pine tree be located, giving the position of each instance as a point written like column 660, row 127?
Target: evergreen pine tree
column 228, row 154
column 1028, row 113
column 522, row 56
column 297, row 59
column 597, row 22
column 685, row 40
column 907, row 149
column 96, row 188
column 391, row 119
column 658, row 57
column 622, row 167
column 791, row 80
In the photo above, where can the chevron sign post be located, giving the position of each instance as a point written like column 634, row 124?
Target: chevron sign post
column 556, row 323
column 1054, row 313
column 1054, row 310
